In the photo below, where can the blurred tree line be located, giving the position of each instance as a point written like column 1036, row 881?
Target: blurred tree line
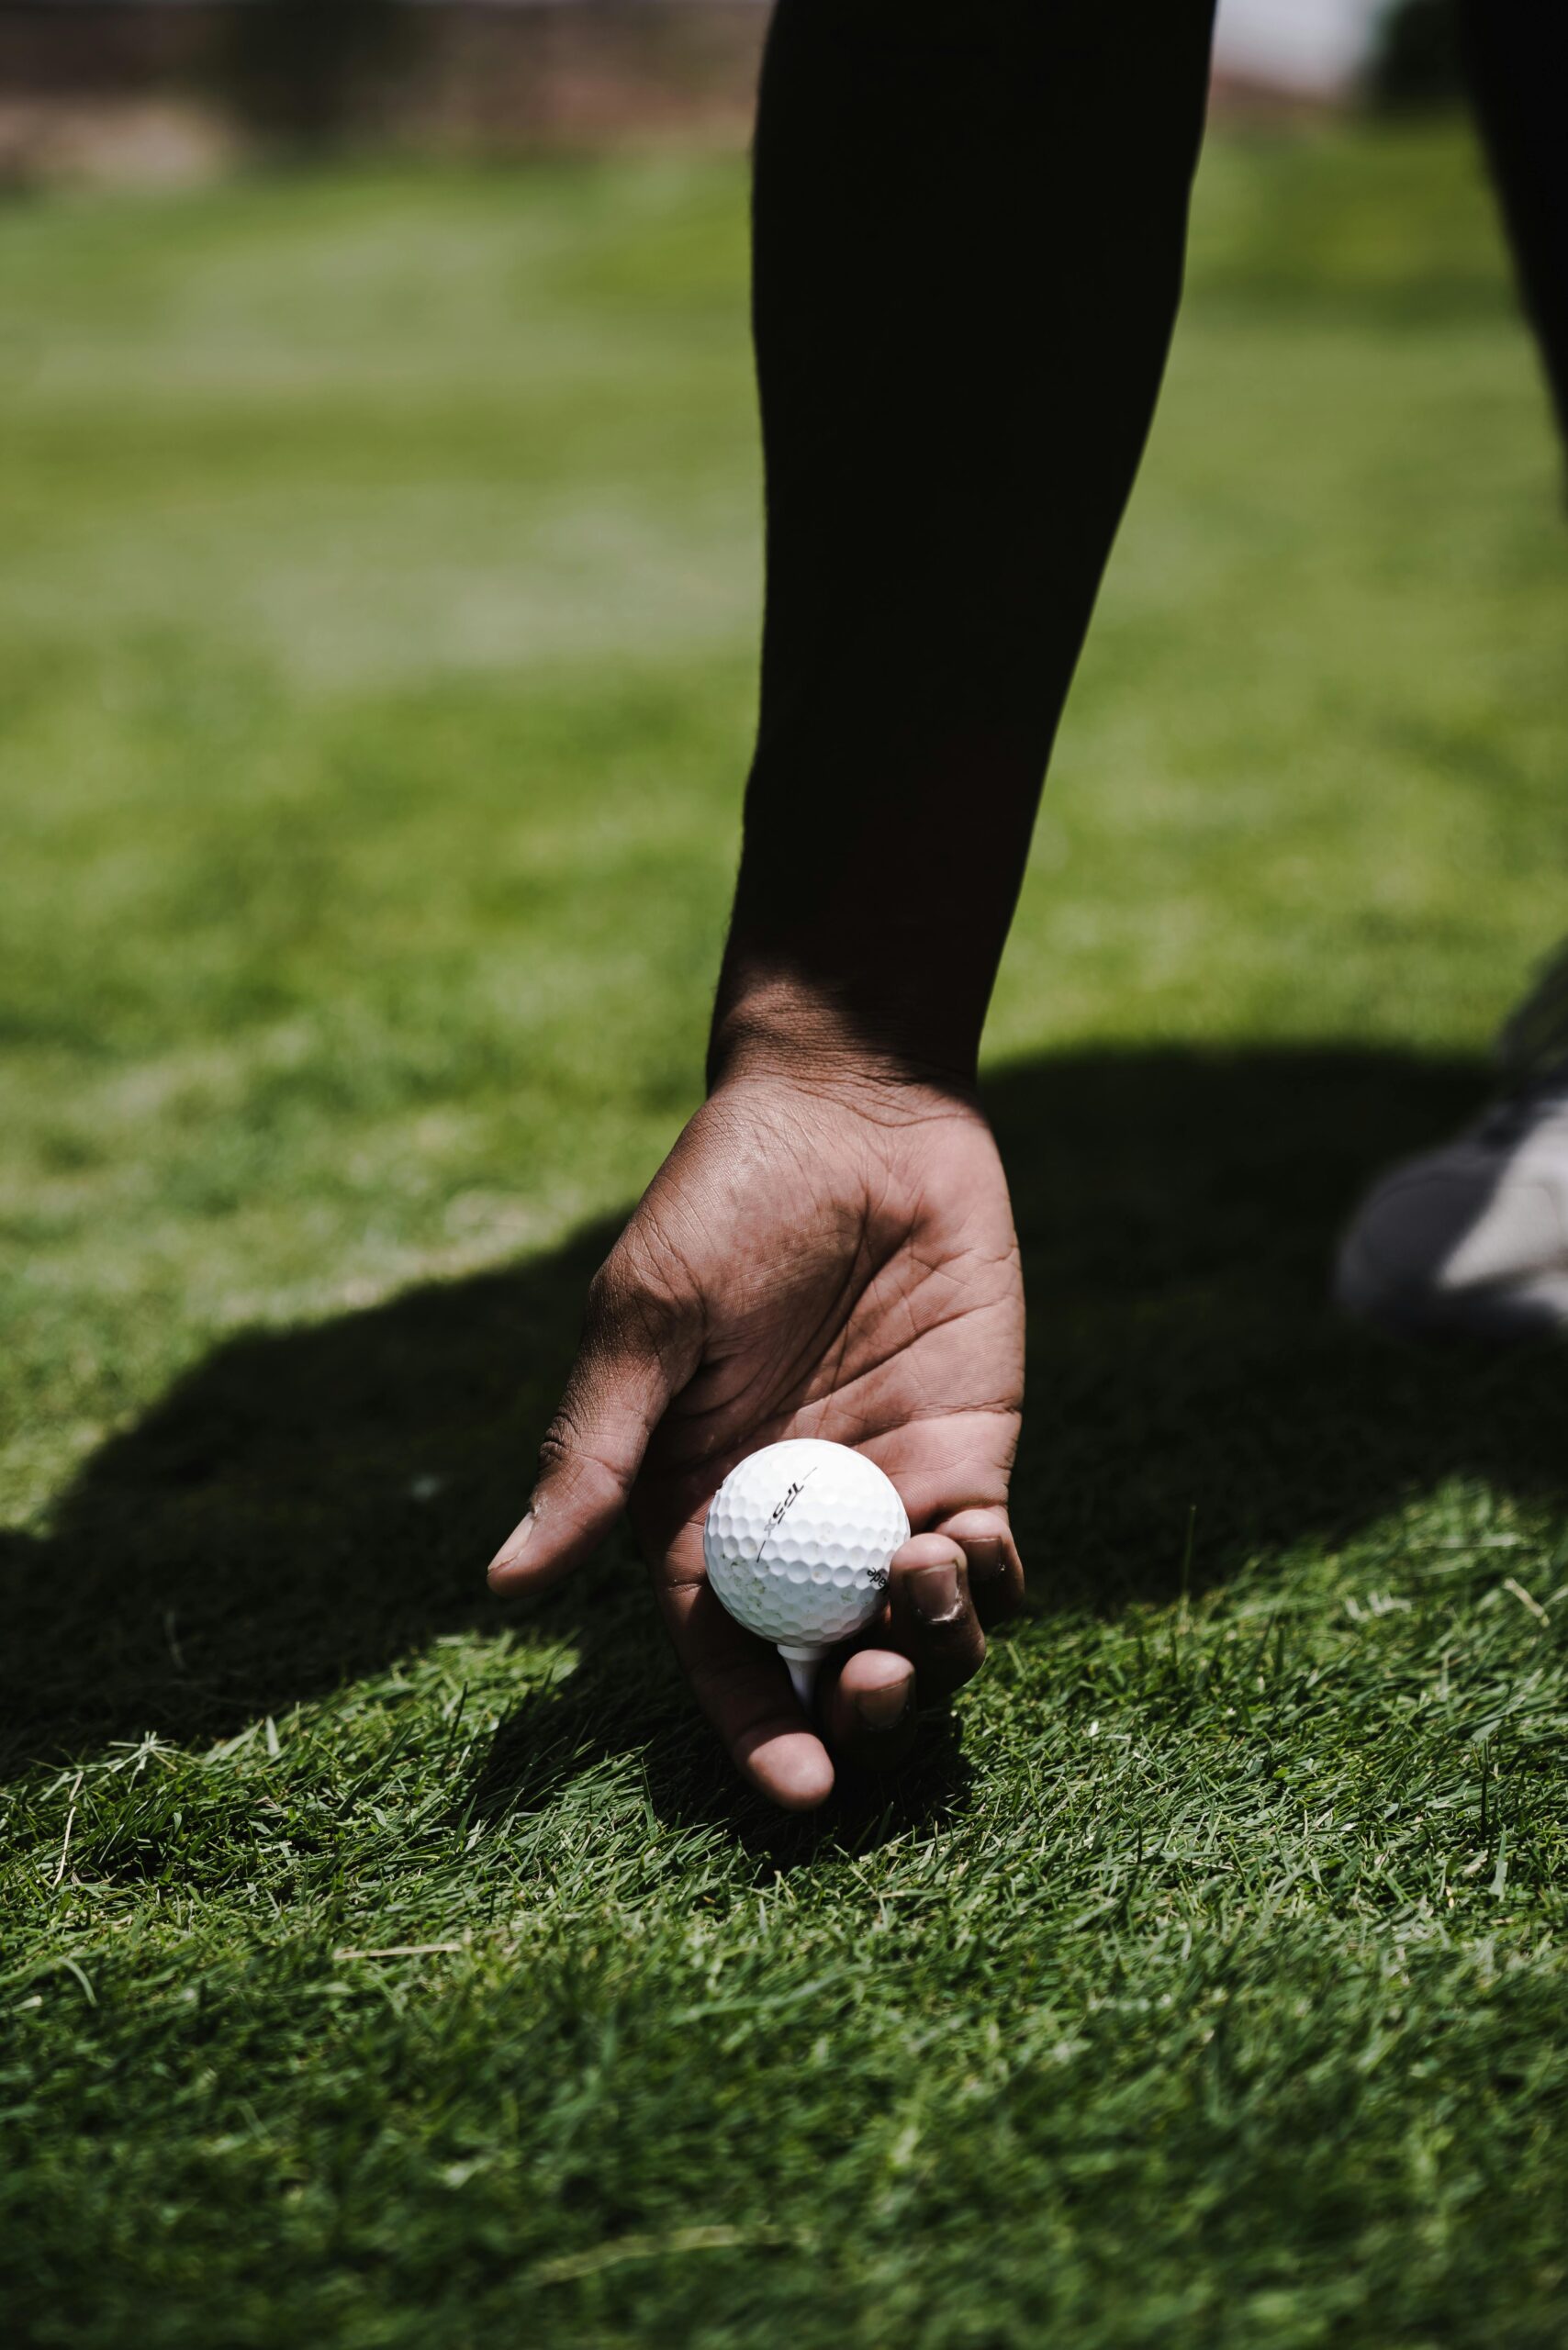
column 295, row 64
column 296, row 70
column 312, row 74
column 1417, row 62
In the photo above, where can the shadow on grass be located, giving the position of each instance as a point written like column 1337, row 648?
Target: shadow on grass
column 540, row 1749
column 307, row 1505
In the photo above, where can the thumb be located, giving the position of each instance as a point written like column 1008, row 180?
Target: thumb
column 639, row 1346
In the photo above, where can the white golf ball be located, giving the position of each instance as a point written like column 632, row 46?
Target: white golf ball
column 798, row 1543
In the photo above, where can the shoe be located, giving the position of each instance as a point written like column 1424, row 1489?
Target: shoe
column 1471, row 1240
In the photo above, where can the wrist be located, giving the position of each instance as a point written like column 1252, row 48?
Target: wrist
column 878, row 877
column 787, row 1014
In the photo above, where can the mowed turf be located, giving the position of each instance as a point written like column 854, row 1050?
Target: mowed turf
column 384, row 1967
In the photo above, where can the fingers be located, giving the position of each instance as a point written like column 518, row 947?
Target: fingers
column 931, row 1616
column 743, row 1686
column 946, row 1589
column 867, row 1703
column 640, row 1344
column 991, row 1554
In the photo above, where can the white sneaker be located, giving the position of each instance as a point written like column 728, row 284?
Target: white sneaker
column 1471, row 1240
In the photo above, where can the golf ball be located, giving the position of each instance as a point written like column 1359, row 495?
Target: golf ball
column 797, row 1542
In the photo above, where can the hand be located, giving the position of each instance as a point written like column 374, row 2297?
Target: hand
column 831, row 1258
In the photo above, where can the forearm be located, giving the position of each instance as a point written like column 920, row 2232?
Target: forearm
column 969, row 225
column 1515, row 53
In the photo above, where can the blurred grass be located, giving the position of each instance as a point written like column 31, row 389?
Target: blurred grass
column 376, row 667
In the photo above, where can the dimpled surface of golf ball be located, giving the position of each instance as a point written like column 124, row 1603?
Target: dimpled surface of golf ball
column 799, row 1539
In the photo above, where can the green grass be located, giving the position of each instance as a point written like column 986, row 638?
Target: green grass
column 382, row 1968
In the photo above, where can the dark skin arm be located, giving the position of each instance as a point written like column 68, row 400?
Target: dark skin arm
column 967, row 240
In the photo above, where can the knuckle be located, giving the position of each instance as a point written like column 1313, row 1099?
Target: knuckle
column 605, row 1294
column 560, row 1451
column 573, row 1445
column 572, row 1449
column 631, row 1300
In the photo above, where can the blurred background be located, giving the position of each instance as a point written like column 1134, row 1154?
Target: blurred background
column 160, row 90
column 380, row 507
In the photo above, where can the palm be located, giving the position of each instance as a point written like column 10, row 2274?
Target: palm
column 806, row 1262
column 857, row 1276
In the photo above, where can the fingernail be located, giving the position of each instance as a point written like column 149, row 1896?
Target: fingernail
column 986, row 1557
column 884, row 1706
column 512, row 1548
column 933, row 1591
